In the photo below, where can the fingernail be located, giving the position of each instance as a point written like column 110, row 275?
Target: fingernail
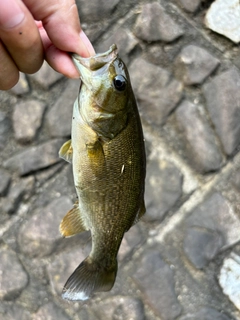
column 87, row 43
column 10, row 14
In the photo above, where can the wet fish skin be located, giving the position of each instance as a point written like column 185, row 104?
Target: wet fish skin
column 108, row 158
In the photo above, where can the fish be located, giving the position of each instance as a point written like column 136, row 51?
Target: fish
column 108, row 159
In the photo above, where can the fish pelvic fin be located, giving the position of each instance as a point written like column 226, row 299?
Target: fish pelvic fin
column 89, row 277
column 66, row 151
column 72, row 223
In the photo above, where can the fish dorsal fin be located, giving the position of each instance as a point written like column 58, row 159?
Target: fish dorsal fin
column 66, row 151
column 72, row 223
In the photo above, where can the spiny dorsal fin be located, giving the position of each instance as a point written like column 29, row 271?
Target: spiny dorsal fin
column 66, row 151
column 72, row 222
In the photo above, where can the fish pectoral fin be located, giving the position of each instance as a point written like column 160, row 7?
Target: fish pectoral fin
column 72, row 223
column 66, row 151
column 88, row 278
column 140, row 213
column 96, row 157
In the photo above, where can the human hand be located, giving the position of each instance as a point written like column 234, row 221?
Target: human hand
column 24, row 42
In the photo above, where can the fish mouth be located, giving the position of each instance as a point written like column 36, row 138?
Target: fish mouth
column 95, row 62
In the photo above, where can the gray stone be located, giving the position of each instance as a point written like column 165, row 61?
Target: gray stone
column 61, row 184
column 223, row 18
column 229, row 278
column 156, row 281
column 27, row 119
column 13, row 312
column 206, row 313
column 163, row 189
column 5, row 127
column 96, row 10
column 157, row 55
column 35, row 157
column 132, row 240
column 46, row 174
column 13, row 278
column 5, row 180
column 190, row 5
column 125, row 42
column 85, row 314
column 154, row 24
column 236, row 61
column 34, row 295
column 235, row 179
column 3, row 215
column 50, row 312
column 203, row 153
column 22, row 86
column 120, row 308
column 157, row 94
column 59, row 116
column 16, row 194
column 39, row 235
column 194, row 64
column 46, row 76
column 216, row 214
column 222, row 95
column 201, row 245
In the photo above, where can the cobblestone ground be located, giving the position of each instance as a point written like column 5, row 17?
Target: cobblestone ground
column 182, row 261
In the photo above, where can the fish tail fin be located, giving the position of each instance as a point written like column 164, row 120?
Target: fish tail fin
column 89, row 277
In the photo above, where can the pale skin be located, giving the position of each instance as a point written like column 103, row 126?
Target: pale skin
column 31, row 31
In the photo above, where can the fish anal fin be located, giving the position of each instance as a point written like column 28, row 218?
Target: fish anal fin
column 72, row 223
column 66, row 151
column 89, row 277
column 140, row 213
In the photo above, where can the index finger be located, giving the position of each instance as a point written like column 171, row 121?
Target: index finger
column 61, row 21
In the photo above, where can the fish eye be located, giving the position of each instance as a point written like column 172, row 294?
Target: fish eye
column 120, row 82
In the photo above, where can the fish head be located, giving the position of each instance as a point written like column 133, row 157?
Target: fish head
column 105, row 88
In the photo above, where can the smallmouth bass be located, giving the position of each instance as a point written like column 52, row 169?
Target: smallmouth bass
column 108, row 160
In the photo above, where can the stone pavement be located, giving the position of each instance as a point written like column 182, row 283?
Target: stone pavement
column 182, row 261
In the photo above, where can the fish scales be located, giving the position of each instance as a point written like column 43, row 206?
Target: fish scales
column 108, row 158
column 116, row 200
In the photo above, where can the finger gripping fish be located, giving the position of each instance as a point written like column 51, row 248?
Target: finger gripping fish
column 108, row 160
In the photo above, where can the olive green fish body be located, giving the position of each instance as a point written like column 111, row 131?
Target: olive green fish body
column 108, row 159
column 106, row 193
